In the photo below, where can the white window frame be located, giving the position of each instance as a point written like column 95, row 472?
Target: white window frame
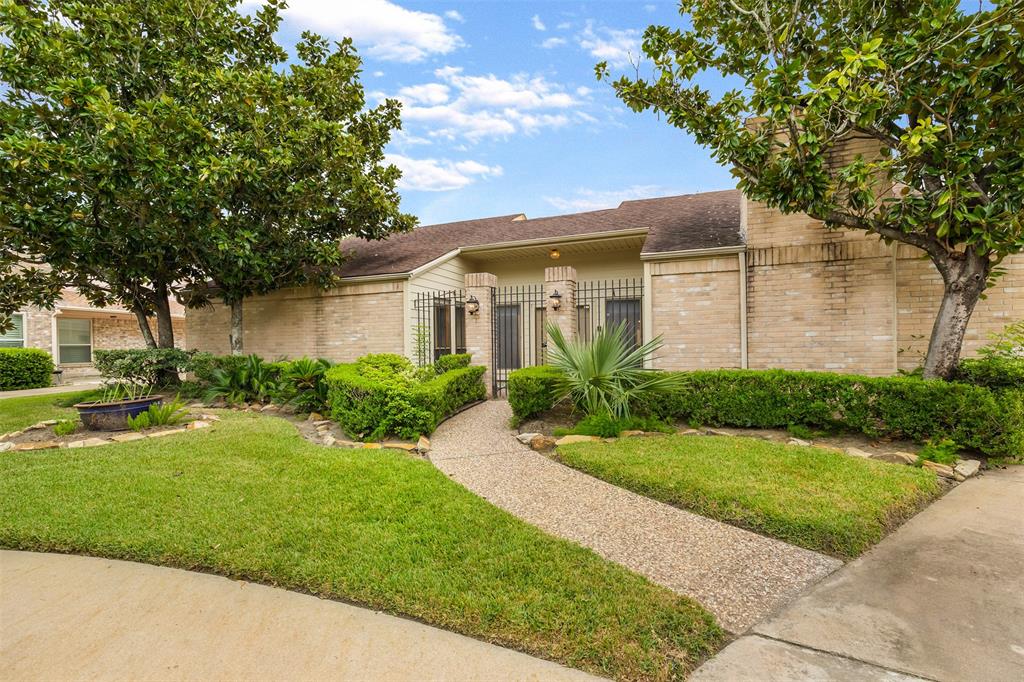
column 24, row 331
column 60, row 360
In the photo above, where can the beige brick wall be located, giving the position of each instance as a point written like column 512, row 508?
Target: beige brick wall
column 821, row 308
column 919, row 292
column 696, row 309
column 339, row 324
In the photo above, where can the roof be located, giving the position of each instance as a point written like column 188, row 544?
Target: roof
column 679, row 223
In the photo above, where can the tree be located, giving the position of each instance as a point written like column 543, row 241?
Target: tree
column 137, row 135
column 940, row 90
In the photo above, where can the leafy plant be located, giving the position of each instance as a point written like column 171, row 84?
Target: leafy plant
column 1008, row 343
column 802, row 432
column 251, row 380
column 65, row 427
column 531, row 391
column 606, row 426
column 944, row 451
column 302, row 382
column 24, row 368
column 607, row 375
column 166, row 414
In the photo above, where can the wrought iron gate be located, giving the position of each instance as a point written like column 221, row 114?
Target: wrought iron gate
column 609, row 303
column 518, row 338
column 440, row 324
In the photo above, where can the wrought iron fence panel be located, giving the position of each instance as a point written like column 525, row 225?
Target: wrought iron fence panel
column 440, row 327
column 518, row 339
column 608, row 303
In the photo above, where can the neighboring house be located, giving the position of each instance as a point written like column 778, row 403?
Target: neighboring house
column 723, row 280
column 73, row 329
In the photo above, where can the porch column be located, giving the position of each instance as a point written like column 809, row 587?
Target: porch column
column 562, row 279
column 479, row 326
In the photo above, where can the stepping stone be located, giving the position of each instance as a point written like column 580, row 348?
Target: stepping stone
column 967, row 467
column 941, row 469
column 198, row 424
column 857, row 452
column 895, row 457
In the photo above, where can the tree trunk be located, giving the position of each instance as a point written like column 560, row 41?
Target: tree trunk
column 143, row 320
column 235, row 335
column 165, row 331
column 964, row 281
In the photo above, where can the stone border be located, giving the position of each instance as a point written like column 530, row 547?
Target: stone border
column 322, row 435
column 961, row 471
column 202, row 422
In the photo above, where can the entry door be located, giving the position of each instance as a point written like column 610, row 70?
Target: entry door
column 625, row 310
column 507, row 337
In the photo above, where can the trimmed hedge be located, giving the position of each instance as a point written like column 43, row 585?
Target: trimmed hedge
column 380, row 395
column 144, row 365
column 446, row 363
column 991, row 421
column 24, row 368
column 994, row 372
column 531, row 390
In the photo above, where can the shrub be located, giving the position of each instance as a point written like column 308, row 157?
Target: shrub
column 302, row 384
column 380, row 395
column 606, row 375
column 447, row 363
column 993, row 371
column 24, row 368
column 248, row 380
column 898, row 407
column 141, row 366
column 65, row 427
column 532, row 390
column 606, row 426
column 166, row 414
column 941, row 451
column 203, row 365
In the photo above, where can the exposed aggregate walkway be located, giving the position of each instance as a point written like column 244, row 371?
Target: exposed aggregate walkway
column 739, row 576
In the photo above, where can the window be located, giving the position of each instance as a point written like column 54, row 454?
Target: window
column 14, row 337
column 74, row 340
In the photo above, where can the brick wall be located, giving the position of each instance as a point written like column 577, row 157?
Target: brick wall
column 339, row 324
column 695, row 307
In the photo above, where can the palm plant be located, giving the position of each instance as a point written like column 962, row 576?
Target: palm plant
column 251, row 380
column 303, row 381
column 607, row 375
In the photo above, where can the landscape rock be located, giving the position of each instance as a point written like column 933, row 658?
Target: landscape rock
column 525, row 438
column 567, row 440
column 168, row 432
column 423, row 444
column 40, row 445
column 315, row 417
column 6, row 446
column 209, row 417
column 94, row 442
column 689, row 432
column 12, row 435
column 400, row 445
column 330, row 440
column 36, row 426
column 198, row 424
column 799, row 441
column 857, row 452
column 125, row 437
column 372, row 446
column 941, row 469
column 542, row 443
column 716, row 432
column 967, row 467
column 895, row 457
column 630, row 433
column 48, row 422
column 322, row 422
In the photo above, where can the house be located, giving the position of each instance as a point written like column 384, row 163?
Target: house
column 74, row 328
column 725, row 281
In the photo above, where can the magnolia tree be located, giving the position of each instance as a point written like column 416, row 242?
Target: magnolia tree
column 940, row 91
column 158, row 148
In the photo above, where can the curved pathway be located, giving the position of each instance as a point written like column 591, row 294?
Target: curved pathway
column 66, row 617
column 739, row 576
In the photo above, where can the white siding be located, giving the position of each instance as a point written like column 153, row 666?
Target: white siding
column 447, row 276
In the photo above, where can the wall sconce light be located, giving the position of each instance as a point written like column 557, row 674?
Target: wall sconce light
column 555, row 254
column 556, row 300
column 472, row 305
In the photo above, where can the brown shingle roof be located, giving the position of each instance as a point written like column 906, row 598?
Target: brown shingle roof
column 689, row 221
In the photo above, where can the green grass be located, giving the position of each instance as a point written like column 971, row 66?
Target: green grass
column 822, row 500
column 17, row 413
column 250, row 499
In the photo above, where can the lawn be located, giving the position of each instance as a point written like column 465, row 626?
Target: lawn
column 815, row 498
column 17, row 413
column 250, row 499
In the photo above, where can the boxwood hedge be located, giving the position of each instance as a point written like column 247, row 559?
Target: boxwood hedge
column 986, row 418
column 381, row 395
column 24, row 368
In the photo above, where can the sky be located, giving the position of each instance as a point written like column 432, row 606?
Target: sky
column 501, row 110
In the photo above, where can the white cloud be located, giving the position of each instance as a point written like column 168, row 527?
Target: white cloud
column 585, row 199
column 379, row 28
column 564, row 25
column 650, row 8
column 615, row 46
column 378, row 74
column 428, row 93
column 552, row 42
column 478, row 107
column 455, row 16
column 439, row 175
column 537, row 23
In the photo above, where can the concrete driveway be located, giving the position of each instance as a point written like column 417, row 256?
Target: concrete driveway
column 79, row 618
column 942, row 598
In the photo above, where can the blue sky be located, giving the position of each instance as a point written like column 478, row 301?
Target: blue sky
column 501, row 110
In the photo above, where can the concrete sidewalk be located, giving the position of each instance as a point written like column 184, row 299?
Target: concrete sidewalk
column 942, row 598
column 50, row 390
column 79, row 618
